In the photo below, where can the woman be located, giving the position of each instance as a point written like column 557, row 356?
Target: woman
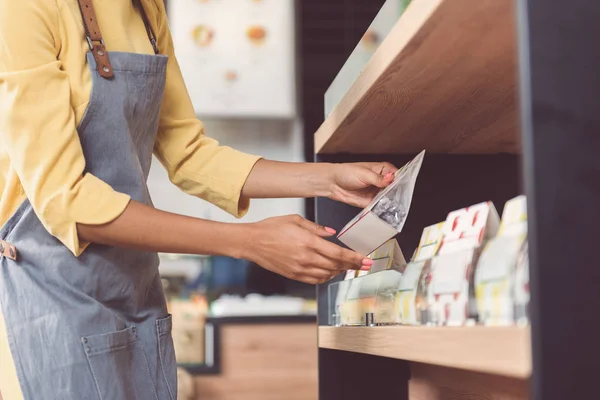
column 84, row 311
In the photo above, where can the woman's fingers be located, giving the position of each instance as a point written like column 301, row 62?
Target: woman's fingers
column 341, row 259
column 297, row 248
column 382, row 168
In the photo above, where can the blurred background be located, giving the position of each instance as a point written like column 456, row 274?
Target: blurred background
column 257, row 72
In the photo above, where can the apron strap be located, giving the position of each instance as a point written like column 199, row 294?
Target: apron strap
column 149, row 30
column 94, row 36
column 94, row 39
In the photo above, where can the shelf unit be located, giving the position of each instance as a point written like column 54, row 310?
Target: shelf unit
column 505, row 97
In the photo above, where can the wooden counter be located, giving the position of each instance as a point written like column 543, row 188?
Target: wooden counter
column 264, row 359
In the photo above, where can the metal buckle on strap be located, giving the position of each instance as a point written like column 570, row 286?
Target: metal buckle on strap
column 154, row 45
column 8, row 250
column 91, row 42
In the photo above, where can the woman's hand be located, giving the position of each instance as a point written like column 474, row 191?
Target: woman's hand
column 357, row 184
column 295, row 248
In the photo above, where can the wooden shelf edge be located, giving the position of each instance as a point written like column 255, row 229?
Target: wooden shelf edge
column 493, row 350
column 444, row 80
column 413, row 18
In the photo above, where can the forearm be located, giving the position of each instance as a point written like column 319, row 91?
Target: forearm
column 146, row 228
column 272, row 179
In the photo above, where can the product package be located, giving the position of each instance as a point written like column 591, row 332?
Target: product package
column 337, row 295
column 384, row 218
column 451, row 289
column 360, row 301
column 407, row 301
column 501, row 265
column 373, row 291
column 521, row 288
column 386, row 312
column 388, row 256
column 352, row 273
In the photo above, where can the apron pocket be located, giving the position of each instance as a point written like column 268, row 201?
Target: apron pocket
column 166, row 350
column 119, row 366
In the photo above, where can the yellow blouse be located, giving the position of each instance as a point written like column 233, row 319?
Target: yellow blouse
column 45, row 87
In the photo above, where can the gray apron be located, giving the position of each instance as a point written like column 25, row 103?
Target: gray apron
column 94, row 327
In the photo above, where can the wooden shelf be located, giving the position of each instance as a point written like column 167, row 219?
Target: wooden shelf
column 498, row 351
column 445, row 80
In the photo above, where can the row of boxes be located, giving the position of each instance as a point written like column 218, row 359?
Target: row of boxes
column 472, row 268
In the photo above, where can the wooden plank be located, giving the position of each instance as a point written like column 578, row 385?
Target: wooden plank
column 500, row 351
column 264, row 362
column 443, row 80
column 437, row 383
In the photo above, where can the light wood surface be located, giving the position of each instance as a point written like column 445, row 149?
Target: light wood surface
column 501, row 351
column 443, row 80
column 437, row 383
column 264, row 362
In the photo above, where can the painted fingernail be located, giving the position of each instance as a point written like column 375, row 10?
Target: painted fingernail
column 367, row 262
column 330, row 230
column 389, row 175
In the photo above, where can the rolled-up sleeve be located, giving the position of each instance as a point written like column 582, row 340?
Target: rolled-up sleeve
column 38, row 128
column 198, row 165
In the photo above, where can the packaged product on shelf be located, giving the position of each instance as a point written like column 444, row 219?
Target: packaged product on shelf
column 384, row 218
column 424, row 296
column 498, row 269
column 337, row 294
column 521, row 288
column 407, row 302
column 386, row 312
column 350, row 274
column 451, row 289
column 360, row 301
column 389, row 263
column 372, row 292
column 388, row 256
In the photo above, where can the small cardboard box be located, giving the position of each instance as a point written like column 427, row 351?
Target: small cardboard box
column 372, row 294
column 387, row 256
column 360, row 300
column 374, row 291
column 521, row 287
column 451, row 294
column 406, row 299
column 367, row 232
column 497, row 271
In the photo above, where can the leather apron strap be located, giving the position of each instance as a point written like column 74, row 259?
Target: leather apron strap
column 94, row 36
